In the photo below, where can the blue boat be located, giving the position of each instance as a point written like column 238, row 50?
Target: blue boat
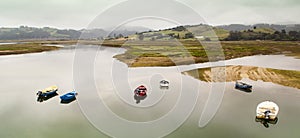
column 68, row 97
column 47, row 93
column 243, row 86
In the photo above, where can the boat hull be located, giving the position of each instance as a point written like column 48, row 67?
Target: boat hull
column 140, row 91
column 164, row 83
column 243, row 86
column 46, row 95
column 69, row 97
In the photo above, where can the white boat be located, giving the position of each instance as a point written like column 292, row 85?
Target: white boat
column 267, row 110
column 164, row 83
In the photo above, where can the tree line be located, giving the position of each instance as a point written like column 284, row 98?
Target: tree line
column 282, row 35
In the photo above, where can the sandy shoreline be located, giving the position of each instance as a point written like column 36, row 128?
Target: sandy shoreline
column 235, row 73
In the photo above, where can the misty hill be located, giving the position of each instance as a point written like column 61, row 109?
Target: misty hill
column 24, row 32
column 200, row 31
column 185, row 32
column 276, row 27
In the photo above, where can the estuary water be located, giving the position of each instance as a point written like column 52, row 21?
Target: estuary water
column 21, row 76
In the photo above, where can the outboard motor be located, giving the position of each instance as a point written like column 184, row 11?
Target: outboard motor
column 267, row 116
column 39, row 93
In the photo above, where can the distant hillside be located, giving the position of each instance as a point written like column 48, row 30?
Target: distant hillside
column 201, row 31
column 240, row 27
column 208, row 31
column 225, row 32
column 24, row 32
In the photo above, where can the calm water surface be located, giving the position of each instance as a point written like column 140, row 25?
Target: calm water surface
column 22, row 116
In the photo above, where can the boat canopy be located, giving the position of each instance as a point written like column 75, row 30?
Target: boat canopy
column 164, row 82
column 50, row 89
column 268, row 105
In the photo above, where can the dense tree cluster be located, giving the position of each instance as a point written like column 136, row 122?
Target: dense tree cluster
column 252, row 35
column 189, row 35
column 179, row 28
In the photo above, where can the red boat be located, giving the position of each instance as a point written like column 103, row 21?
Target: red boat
column 140, row 91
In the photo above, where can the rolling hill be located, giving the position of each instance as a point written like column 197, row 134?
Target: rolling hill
column 24, row 32
column 208, row 32
column 200, row 31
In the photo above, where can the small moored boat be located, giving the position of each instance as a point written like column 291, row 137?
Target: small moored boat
column 68, row 97
column 267, row 110
column 164, row 83
column 243, row 86
column 47, row 93
column 140, row 91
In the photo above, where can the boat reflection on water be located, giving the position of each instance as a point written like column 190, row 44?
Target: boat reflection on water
column 266, row 122
column 164, row 87
column 138, row 98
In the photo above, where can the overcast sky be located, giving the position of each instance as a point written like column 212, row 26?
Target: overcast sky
column 78, row 14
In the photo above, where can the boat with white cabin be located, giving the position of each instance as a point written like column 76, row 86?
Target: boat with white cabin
column 267, row 110
column 164, row 83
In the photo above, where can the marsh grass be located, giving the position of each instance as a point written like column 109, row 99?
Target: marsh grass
column 150, row 50
column 23, row 48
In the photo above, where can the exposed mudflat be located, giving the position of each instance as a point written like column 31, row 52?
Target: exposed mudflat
column 234, row 73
